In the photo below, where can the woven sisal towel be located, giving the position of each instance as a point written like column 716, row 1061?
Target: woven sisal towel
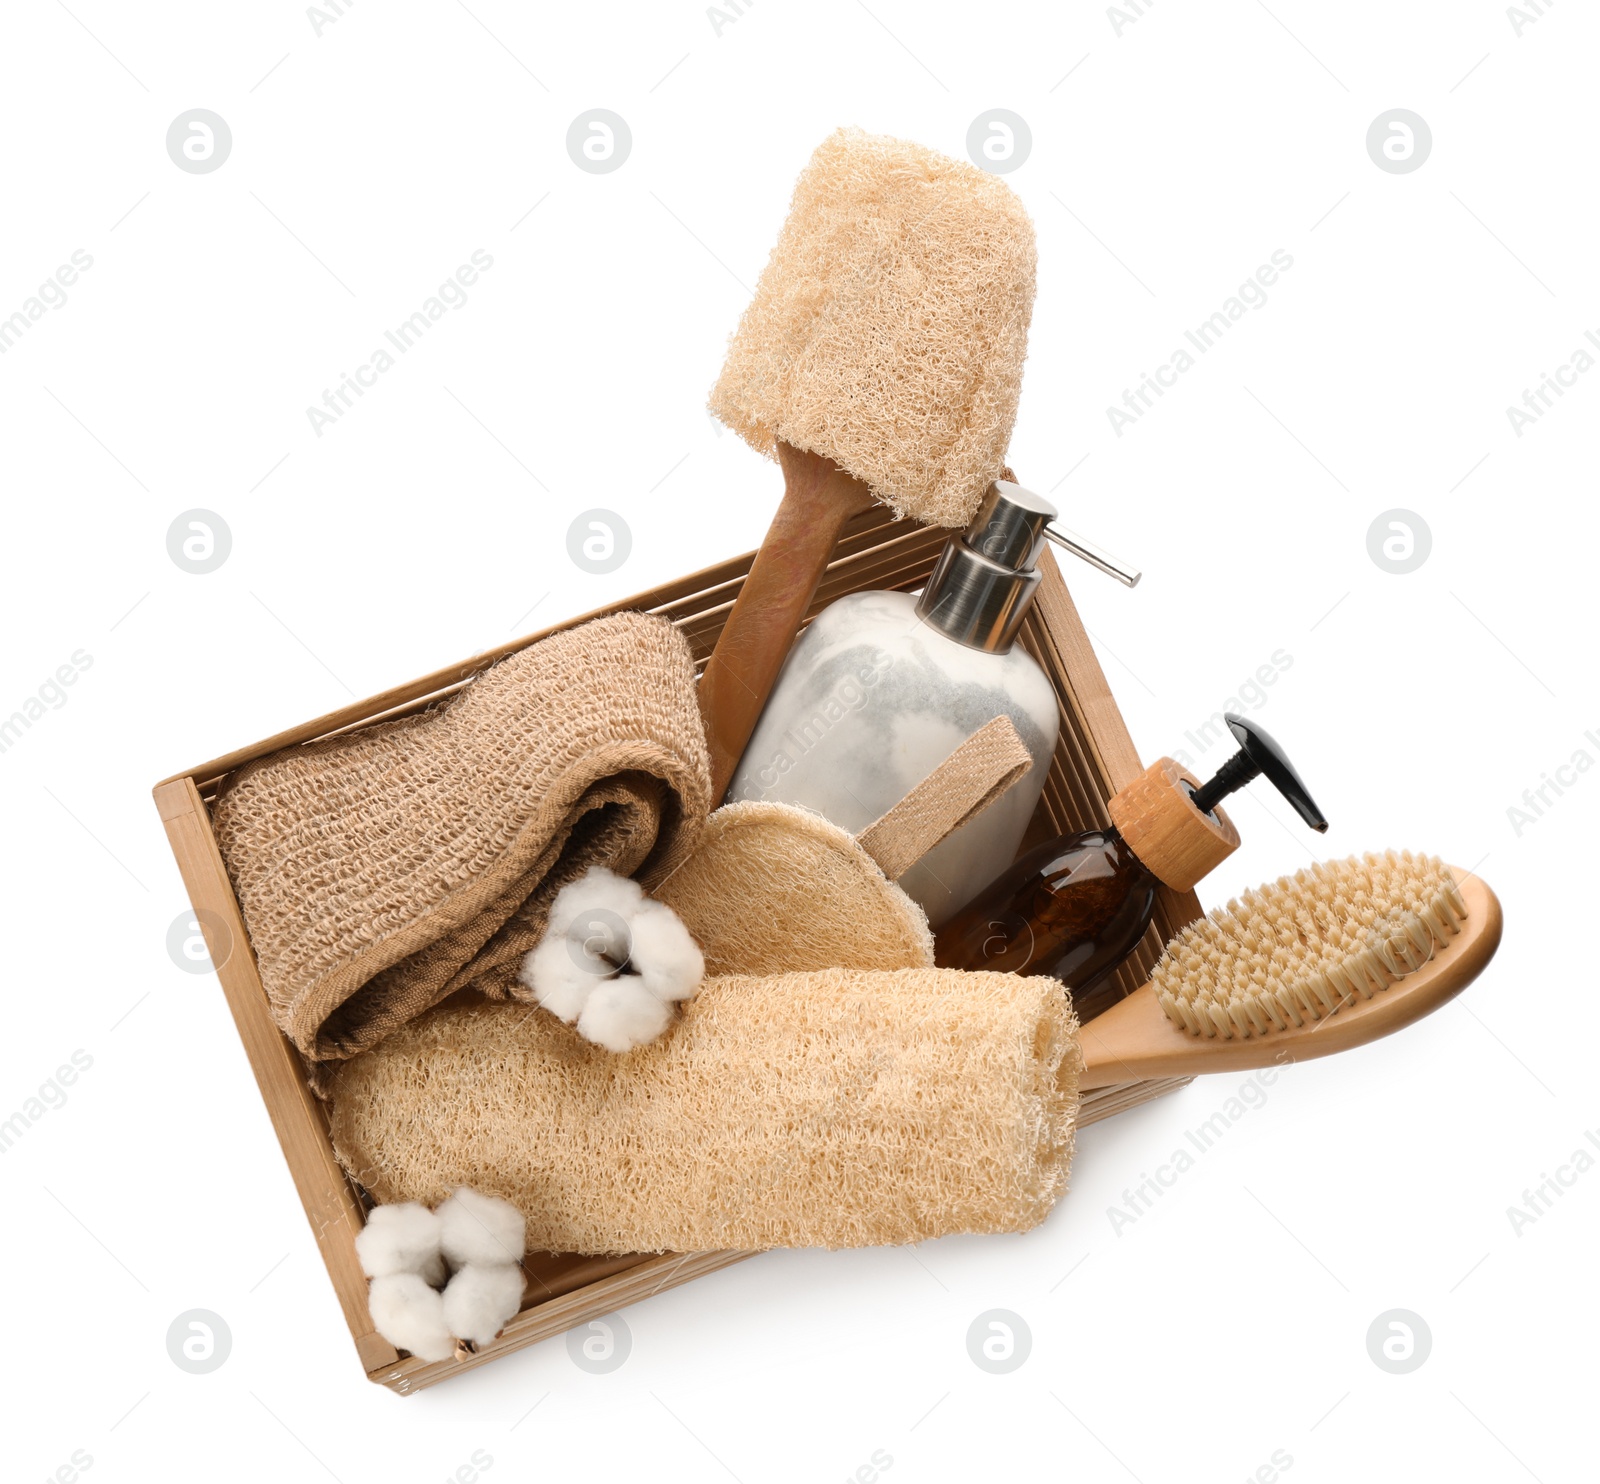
column 381, row 871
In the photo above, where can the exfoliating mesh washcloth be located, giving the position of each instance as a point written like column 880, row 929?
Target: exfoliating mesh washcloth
column 382, row 870
column 889, row 327
column 838, row 1108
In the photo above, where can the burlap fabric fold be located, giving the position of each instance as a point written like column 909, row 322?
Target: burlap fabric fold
column 381, row 871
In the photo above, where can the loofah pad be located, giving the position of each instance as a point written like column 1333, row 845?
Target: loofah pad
column 889, row 326
column 834, row 1109
column 381, row 870
column 1297, row 951
column 774, row 889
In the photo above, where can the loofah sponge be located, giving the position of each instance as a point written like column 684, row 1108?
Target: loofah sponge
column 889, row 326
column 838, row 1109
column 1292, row 953
column 775, row 889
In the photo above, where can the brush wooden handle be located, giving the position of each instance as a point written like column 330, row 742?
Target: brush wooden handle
column 818, row 498
column 1134, row 1041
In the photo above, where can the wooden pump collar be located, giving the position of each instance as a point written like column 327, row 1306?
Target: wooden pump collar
column 1156, row 815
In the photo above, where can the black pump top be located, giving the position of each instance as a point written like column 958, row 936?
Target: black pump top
column 1258, row 754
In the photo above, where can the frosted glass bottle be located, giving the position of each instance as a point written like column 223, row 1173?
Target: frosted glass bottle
column 883, row 687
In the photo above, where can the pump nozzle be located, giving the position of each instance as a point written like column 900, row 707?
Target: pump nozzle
column 1258, row 754
column 1095, row 556
column 1010, row 522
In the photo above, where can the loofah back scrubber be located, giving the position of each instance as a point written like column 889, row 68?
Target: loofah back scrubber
column 880, row 360
column 837, row 1108
column 889, row 326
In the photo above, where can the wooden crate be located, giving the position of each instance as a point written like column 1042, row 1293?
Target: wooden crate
column 1094, row 758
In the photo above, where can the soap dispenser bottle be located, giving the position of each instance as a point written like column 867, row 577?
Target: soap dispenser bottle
column 1077, row 906
column 883, row 687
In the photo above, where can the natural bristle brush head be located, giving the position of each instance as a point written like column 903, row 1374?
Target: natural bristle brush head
column 888, row 329
column 1291, row 954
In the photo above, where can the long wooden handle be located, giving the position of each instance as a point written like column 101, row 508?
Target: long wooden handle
column 1135, row 1042
column 819, row 497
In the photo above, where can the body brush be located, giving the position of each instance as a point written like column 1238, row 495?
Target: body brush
column 1338, row 955
column 880, row 360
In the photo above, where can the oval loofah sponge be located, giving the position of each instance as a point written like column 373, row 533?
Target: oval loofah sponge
column 889, row 326
column 833, row 1109
column 775, row 889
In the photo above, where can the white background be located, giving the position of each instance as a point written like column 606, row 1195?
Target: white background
column 1171, row 155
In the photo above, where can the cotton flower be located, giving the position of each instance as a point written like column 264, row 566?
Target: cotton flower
column 402, row 1238
column 404, row 1249
column 622, row 1014
column 613, row 961
column 480, row 1230
column 480, row 1301
column 410, row 1315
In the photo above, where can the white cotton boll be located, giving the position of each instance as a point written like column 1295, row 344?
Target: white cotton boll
column 622, row 1014
column 664, row 955
column 481, row 1230
column 480, row 1301
column 402, row 1238
column 586, row 940
column 561, row 980
column 597, row 889
column 410, row 1316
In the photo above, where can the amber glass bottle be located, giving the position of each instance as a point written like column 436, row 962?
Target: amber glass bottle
column 1077, row 906
column 1074, row 907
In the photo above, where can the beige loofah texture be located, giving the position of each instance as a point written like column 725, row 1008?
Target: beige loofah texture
column 1295, row 952
column 775, row 889
column 831, row 1109
column 889, row 327
column 381, row 870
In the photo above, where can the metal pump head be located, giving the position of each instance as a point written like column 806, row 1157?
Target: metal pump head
column 985, row 578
